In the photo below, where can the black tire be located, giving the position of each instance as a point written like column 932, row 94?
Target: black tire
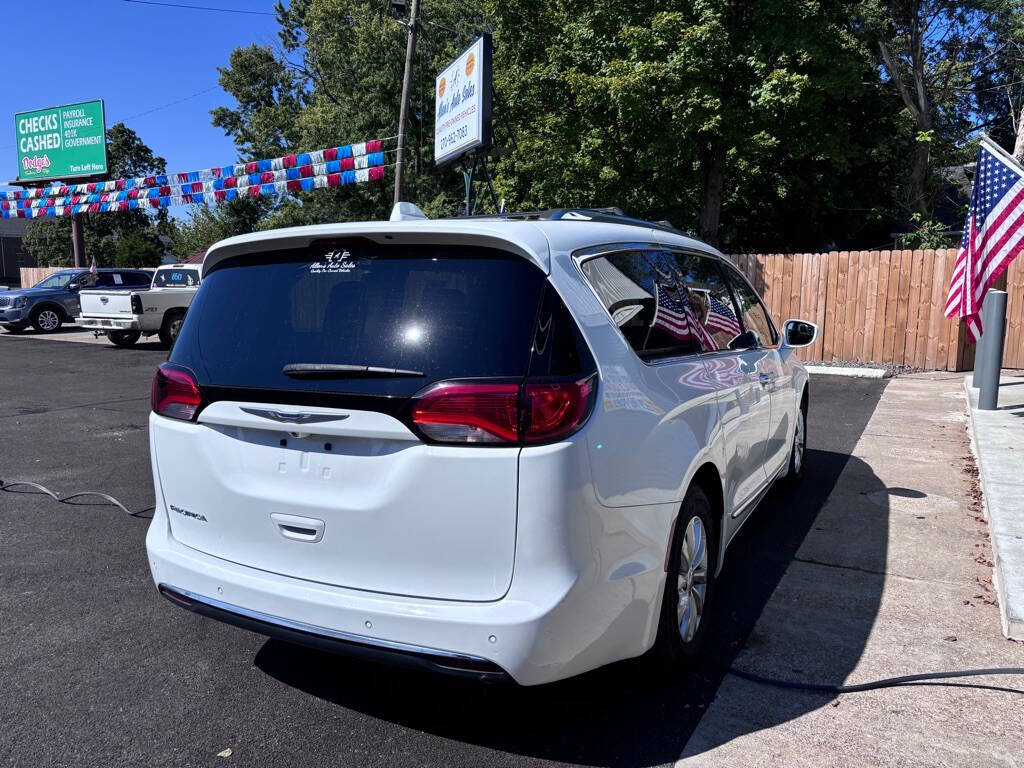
column 47, row 319
column 678, row 644
column 123, row 338
column 798, row 451
column 170, row 328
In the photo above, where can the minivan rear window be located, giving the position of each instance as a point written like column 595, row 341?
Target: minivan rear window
column 444, row 311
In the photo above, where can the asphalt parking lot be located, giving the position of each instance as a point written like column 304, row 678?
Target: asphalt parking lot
column 99, row 670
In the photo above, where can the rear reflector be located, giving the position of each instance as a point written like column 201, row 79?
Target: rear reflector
column 175, row 393
column 504, row 413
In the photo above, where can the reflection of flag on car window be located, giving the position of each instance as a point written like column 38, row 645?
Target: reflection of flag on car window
column 721, row 318
column 678, row 319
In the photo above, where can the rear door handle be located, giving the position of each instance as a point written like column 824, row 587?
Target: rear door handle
column 766, row 378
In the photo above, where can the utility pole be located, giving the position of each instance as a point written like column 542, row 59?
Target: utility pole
column 77, row 239
column 410, row 53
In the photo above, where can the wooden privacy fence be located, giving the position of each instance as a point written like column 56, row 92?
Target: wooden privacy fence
column 879, row 306
column 32, row 275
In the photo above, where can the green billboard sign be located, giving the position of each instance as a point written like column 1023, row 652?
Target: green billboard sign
column 62, row 143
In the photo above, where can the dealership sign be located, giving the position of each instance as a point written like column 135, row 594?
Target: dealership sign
column 462, row 121
column 64, row 142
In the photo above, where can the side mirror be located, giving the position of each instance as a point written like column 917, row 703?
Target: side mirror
column 73, row 287
column 798, row 333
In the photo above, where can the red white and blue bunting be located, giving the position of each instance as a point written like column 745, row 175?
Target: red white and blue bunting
column 325, row 168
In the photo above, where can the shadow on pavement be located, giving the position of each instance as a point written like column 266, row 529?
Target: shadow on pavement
column 629, row 714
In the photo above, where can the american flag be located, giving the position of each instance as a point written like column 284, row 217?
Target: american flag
column 92, row 269
column 678, row 319
column 993, row 236
column 721, row 318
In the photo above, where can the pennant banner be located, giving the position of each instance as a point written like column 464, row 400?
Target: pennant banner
column 288, row 162
column 305, row 173
column 340, row 179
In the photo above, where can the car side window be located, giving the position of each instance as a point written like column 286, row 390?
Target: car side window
column 709, row 296
column 755, row 317
column 88, row 280
column 648, row 301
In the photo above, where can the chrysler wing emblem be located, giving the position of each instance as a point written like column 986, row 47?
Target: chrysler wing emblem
column 294, row 418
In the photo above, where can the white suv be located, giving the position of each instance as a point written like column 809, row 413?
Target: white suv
column 500, row 447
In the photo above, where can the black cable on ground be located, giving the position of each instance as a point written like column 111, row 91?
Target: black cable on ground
column 925, row 678
column 110, row 500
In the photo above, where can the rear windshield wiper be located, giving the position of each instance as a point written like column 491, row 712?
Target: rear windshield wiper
column 342, row 371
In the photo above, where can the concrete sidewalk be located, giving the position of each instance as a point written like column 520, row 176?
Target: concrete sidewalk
column 893, row 578
column 998, row 442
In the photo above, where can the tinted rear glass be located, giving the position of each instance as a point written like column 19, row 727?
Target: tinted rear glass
column 176, row 278
column 447, row 311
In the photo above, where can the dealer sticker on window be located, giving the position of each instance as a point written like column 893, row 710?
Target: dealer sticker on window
column 333, row 262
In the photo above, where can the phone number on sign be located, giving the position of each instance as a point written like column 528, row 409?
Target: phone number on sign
column 451, row 139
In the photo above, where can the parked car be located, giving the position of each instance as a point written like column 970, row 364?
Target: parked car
column 53, row 301
column 511, row 446
column 124, row 317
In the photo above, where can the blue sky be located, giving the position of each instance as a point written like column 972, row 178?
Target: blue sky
column 136, row 58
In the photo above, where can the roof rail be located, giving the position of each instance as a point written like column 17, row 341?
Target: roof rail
column 608, row 215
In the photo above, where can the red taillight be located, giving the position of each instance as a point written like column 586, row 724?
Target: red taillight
column 453, row 412
column 537, row 412
column 175, row 393
column 136, row 302
column 557, row 409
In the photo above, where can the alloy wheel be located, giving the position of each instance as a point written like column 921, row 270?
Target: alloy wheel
column 48, row 320
column 692, row 579
column 799, row 441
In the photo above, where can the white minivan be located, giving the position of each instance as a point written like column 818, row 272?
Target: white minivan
column 505, row 447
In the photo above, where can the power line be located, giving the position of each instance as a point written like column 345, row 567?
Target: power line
column 168, row 104
column 199, row 7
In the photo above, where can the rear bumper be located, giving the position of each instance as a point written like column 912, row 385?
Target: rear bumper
column 500, row 637
column 554, row 622
column 324, row 638
column 108, row 323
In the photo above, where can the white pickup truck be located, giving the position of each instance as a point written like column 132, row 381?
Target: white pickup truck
column 125, row 316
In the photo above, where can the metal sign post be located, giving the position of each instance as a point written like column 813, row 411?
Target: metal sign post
column 993, row 336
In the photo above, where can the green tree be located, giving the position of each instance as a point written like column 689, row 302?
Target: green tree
column 696, row 112
column 206, row 224
column 49, row 240
column 134, row 249
column 935, row 55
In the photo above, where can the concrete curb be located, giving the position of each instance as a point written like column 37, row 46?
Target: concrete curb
column 997, row 505
column 860, row 373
